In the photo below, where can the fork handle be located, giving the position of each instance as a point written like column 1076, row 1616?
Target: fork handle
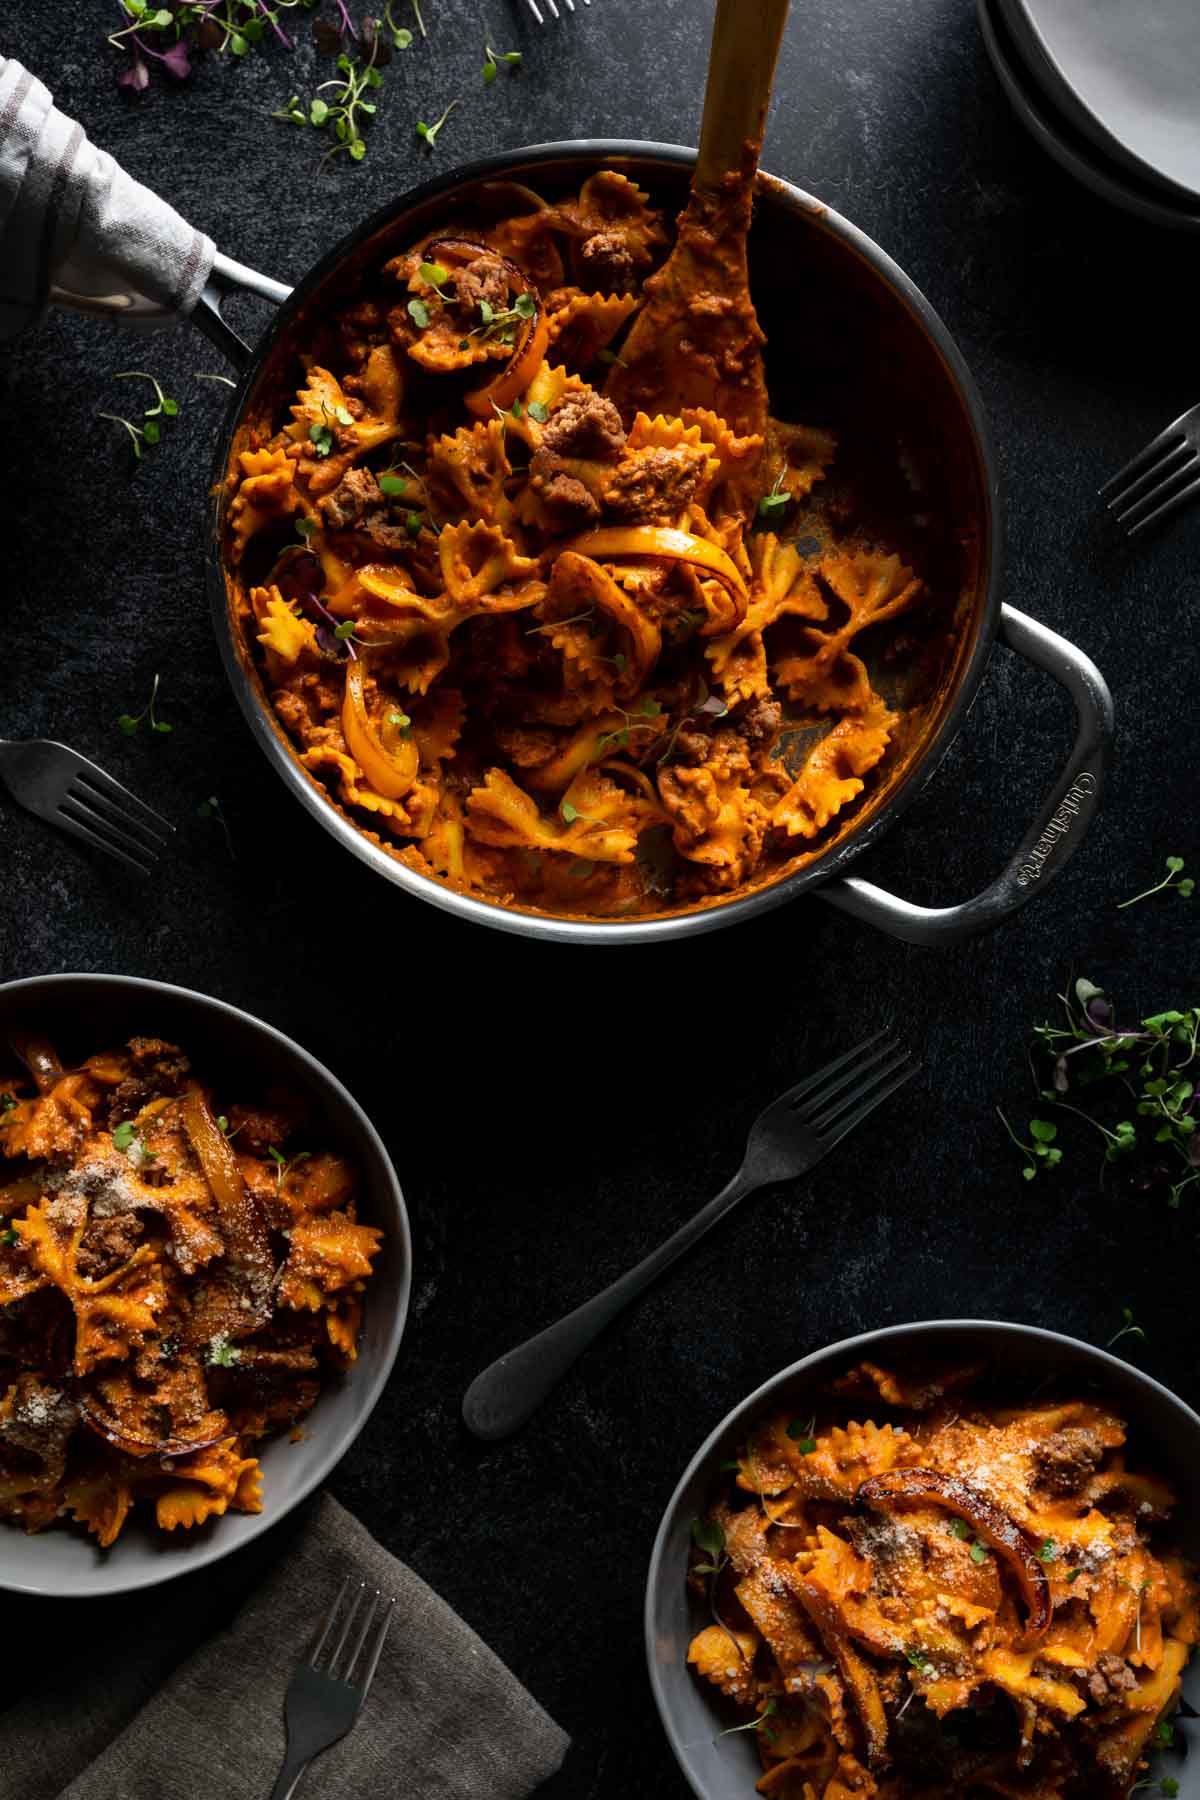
column 499, row 1401
column 290, row 1776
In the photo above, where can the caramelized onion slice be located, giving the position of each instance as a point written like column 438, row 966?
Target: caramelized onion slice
column 247, row 1245
column 39, row 1058
column 613, row 542
column 111, row 1430
column 391, row 768
column 1001, row 1533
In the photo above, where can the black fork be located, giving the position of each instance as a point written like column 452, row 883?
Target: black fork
column 788, row 1138
column 327, row 1691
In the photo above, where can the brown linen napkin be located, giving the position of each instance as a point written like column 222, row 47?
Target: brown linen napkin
column 445, row 1719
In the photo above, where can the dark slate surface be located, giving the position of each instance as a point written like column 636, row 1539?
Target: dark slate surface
column 553, row 1113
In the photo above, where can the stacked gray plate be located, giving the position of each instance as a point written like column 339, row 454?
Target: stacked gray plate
column 1111, row 90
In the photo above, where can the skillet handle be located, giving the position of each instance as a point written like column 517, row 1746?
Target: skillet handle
column 1048, row 844
column 229, row 277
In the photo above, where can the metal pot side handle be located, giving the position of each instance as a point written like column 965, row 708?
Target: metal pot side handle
column 226, row 277
column 1048, row 844
column 229, row 277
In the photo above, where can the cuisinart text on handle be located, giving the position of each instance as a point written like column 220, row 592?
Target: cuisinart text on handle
column 1056, row 828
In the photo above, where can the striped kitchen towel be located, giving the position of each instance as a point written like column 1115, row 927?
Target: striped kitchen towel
column 71, row 220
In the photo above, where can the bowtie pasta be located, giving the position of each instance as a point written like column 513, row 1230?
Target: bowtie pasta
column 543, row 641
column 963, row 1600
column 175, row 1284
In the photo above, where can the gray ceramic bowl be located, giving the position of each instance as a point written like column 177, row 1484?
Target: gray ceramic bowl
column 1165, row 1437
column 83, row 1013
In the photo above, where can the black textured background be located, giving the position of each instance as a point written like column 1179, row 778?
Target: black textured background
column 553, row 1113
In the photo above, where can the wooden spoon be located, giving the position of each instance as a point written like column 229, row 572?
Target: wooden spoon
column 697, row 341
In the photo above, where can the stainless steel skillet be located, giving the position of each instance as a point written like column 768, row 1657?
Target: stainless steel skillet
column 803, row 255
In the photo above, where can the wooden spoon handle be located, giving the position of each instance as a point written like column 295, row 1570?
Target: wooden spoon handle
column 741, row 68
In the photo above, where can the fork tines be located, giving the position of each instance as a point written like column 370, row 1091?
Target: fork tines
column 841, row 1095
column 1164, row 475
column 536, row 10
column 103, row 813
column 341, row 1664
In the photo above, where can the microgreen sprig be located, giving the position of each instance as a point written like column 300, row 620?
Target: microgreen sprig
column 285, row 1164
column 130, row 723
column 801, row 1432
column 228, row 27
column 402, row 37
column 1184, row 885
column 493, row 58
column 428, row 133
column 1117, row 1078
column 1128, row 1329
column 646, row 717
column 501, row 322
column 1042, row 1149
column 772, row 506
column 342, row 103
column 150, row 429
column 210, row 808
column 762, row 1723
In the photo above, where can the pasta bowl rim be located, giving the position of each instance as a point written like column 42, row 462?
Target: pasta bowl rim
column 981, row 626
column 106, row 1576
column 665, row 1577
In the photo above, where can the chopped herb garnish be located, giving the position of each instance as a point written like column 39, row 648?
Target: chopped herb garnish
column 1073, row 1576
column 321, row 438
column 960, row 1529
column 538, row 411
column 7, row 1103
column 1047, row 1553
column 130, row 723
column 306, row 528
column 921, row 1663
column 412, row 524
column 9, row 1238
column 419, row 313
column 392, row 485
column 221, row 1354
column 979, row 1553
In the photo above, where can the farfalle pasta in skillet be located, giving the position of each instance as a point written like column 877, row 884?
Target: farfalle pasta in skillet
column 543, row 641
column 175, row 1284
column 942, row 1599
